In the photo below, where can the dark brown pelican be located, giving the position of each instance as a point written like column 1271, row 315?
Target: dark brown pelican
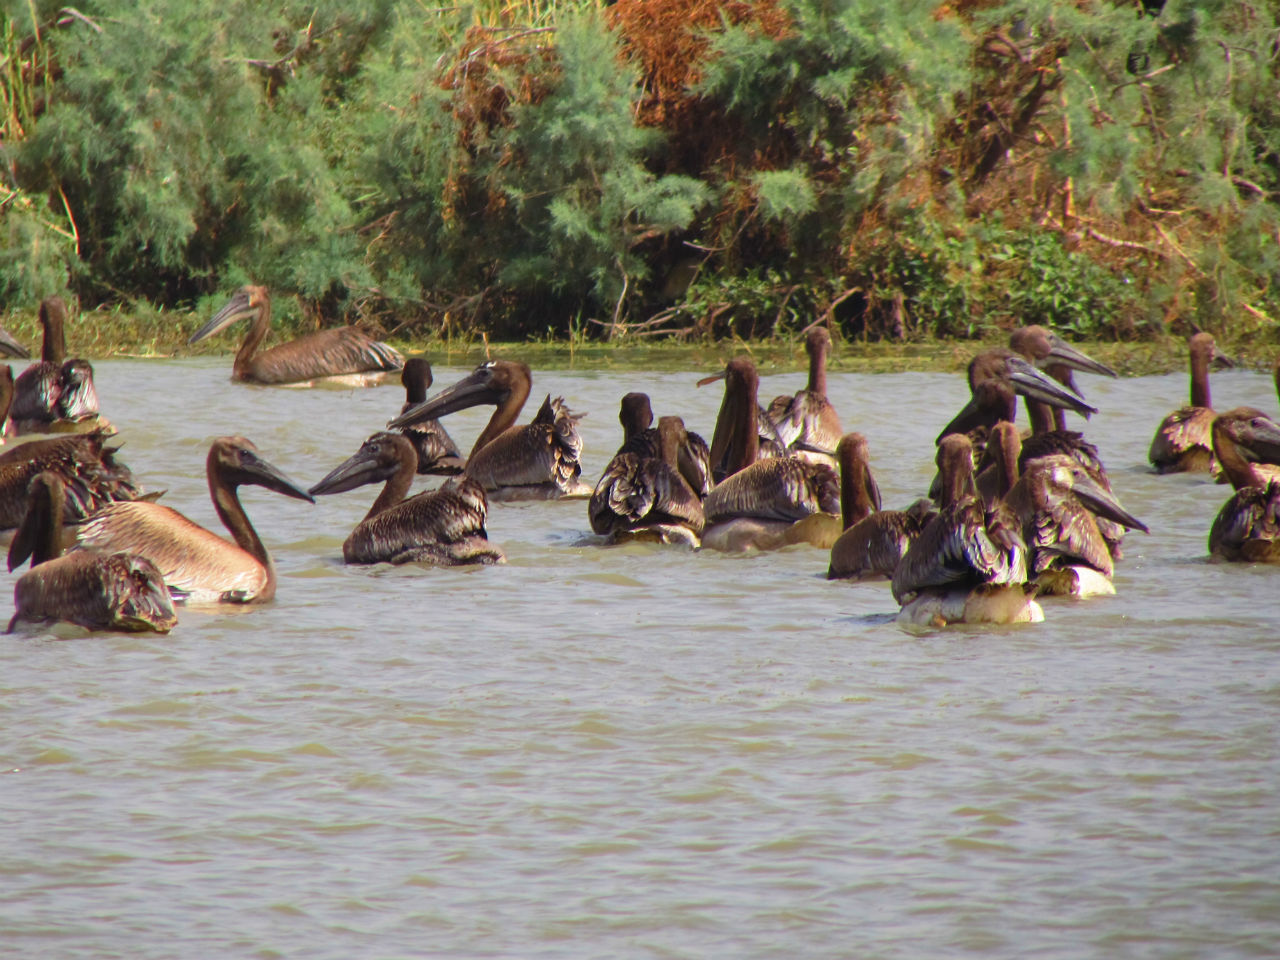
column 345, row 355
column 91, row 475
column 1247, row 528
column 641, row 438
column 198, row 565
column 969, row 565
column 538, row 461
column 437, row 453
column 117, row 591
column 444, row 527
column 873, row 540
column 55, row 394
column 1183, row 442
column 643, row 497
column 763, row 504
column 996, row 377
column 806, row 423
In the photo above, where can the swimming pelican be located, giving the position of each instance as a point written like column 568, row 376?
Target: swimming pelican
column 639, row 437
column 1058, row 359
column 443, row 527
column 199, row 566
column 116, row 591
column 1247, row 528
column 969, row 565
column 1183, row 442
column 55, row 395
column 90, row 474
column 807, row 423
column 763, row 504
column 645, row 497
column 345, row 355
column 538, row 461
column 437, row 453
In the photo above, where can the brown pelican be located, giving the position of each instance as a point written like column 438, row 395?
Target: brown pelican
column 55, row 395
column 873, row 540
column 996, row 377
column 345, row 355
column 117, row 591
column 806, row 423
column 1183, row 442
column 646, row 497
column 437, row 453
column 969, row 565
column 1059, row 360
column 1247, row 528
column 200, row 566
column 539, row 461
column 639, row 437
column 443, row 527
column 90, row 474
column 763, row 504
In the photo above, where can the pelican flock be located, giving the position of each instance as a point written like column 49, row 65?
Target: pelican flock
column 1012, row 516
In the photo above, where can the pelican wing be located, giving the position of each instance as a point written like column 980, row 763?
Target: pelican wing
column 874, row 546
column 963, row 545
column 546, row 451
column 431, row 526
column 325, row 353
column 1181, row 432
column 780, row 488
column 637, row 491
column 806, row 421
column 118, row 591
column 1247, row 527
column 437, row 453
column 1065, row 534
column 35, row 393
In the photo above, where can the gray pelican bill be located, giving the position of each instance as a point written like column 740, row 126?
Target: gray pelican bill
column 199, row 566
column 343, row 355
column 444, row 527
column 437, row 453
column 116, row 591
column 537, row 461
column 641, row 497
column 969, row 564
column 1183, row 442
column 807, row 423
column 763, row 504
column 55, row 394
column 1247, row 528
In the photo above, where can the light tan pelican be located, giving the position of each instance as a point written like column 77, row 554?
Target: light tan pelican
column 199, row 566
column 118, row 591
column 443, row 527
column 641, row 438
column 55, row 394
column 91, row 475
column 437, row 453
column 342, row 355
column 763, row 504
column 1183, row 442
column 806, row 423
column 1247, row 528
column 642, row 497
column 969, row 565
column 539, row 461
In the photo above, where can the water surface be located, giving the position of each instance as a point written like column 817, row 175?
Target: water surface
column 636, row 751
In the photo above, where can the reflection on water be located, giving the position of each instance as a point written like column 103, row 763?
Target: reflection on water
column 639, row 751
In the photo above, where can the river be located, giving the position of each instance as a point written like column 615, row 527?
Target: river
column 638, row 751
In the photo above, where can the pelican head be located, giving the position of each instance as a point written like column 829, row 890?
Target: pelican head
column 496, row 382
column 1046, row 349
column 378, row 459
column 237, row 461
column 416, row 379
column 248, row 301
column 635, row 414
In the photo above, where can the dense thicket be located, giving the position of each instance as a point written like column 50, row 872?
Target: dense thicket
column 652, row 166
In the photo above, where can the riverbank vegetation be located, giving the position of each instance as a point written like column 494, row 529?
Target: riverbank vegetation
column 579, row 173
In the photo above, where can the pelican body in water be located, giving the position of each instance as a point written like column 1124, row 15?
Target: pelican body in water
column 437, row 453
column 344, row 355
column 807, row 424
column 1247, row 528
column 537, row 461
column 199, row 566
column 640, row 437
column 55, row 394
column 444, row 527
column 643, row 497
column 116, row 591
column 968, row 565
column 763, row 504
column 1183, row 442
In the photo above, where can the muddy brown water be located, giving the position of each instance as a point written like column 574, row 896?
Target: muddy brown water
column 637, row 751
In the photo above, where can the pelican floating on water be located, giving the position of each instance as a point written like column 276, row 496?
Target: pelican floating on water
column 968, row 565
column 1183, row 442
column 345, row 355
column 538, row 461
column 91, row 476
column 443, row 527
column 645, row 497
column 806, row 423
column 55, row 394
column 640, row 437
column 763, row 504
column 437, row 453
column 117, row 591
column 1247, row 528
column 198, row 565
